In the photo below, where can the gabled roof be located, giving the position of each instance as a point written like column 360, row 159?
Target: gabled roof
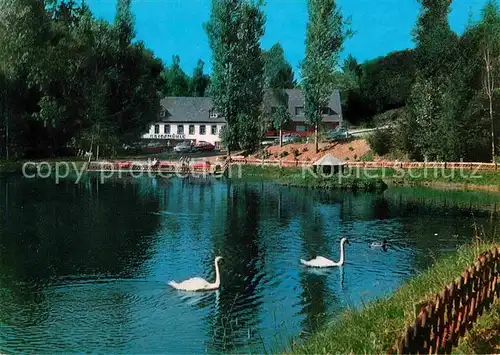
column 188, row 109
column 329, row 160
column 296, row 98
column 197, row 109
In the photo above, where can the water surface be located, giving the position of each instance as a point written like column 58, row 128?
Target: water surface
column 83, row 267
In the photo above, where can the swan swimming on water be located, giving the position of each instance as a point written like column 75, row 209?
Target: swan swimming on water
column 197, row 283
column 324, row 262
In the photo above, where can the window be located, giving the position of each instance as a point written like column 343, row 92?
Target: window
column 214, row 130
column 301, row 128
column 203, row 129
column 191, row 129
column 326, row 111
column 213, row 114
column 299, row 110
column 157, row 129
column 180, row 129
column 166, row 129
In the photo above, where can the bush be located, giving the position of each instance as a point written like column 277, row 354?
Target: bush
column 283, row 154
column 367, row 157
column 296, row 153
column 380, row 142
column 265, row 154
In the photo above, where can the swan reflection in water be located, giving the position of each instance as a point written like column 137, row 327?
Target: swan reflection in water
column 201, row 299
column 326, row 272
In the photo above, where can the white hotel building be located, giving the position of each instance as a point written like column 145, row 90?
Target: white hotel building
column 186, row 118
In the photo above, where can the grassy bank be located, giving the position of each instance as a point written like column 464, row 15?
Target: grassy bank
column 452, row 178
column 296, row 177
column 8, row 167
column 484, row 338
column 375, row 328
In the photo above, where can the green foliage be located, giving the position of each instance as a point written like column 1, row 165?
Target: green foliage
column 70, row 77
column 377, row 85
column 234, row 31
column 281, row 118
column 176, row 81
column 124, row 22
column 278, row 73
column 199, row 81
column 325, row 37
column 380, row 142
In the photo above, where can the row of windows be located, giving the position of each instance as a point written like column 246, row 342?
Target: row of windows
column 180, row 129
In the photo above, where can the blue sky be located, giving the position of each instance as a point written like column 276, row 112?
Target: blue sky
column 171, row 27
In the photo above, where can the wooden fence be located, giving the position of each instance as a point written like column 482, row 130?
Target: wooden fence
column 371, row 164
column 446, row 318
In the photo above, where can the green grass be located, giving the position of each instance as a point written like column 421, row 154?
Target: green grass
column 375, row 328
column 296, row 177
column 429, row 175
column 7, row 166
column 484, row 338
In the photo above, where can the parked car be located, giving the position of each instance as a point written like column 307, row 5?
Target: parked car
column 203, row 146
column 338, row 134
column 291, row 138
column 183, row 147
column 153, row 148
column 269, row 142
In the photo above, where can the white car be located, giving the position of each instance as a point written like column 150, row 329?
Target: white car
column 183, row 147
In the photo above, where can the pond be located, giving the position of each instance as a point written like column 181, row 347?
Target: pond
column 83, row 267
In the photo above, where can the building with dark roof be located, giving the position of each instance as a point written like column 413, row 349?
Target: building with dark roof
column 194, row 118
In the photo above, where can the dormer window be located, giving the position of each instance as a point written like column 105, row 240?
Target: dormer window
column 214, row 114
column 163, row 112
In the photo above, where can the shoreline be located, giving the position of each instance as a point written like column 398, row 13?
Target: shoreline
column 375, row 327
column 368, row 179
column 294, row 177
column 439, row 185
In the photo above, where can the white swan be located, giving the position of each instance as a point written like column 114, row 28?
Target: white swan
column 197, row 283
column 324, row 262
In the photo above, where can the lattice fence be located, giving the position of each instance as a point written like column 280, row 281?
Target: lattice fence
column 443, row 320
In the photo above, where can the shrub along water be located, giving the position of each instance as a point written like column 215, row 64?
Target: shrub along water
column 305, row 177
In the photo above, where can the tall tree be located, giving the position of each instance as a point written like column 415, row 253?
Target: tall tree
column 278, row 76
column 325, row 37
column 489, row 29
column 199, row 81
column 435, row 45
column 177, row 82
column 353, row 69
column 278, row 73
column 124, row 22
column 234, row 31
